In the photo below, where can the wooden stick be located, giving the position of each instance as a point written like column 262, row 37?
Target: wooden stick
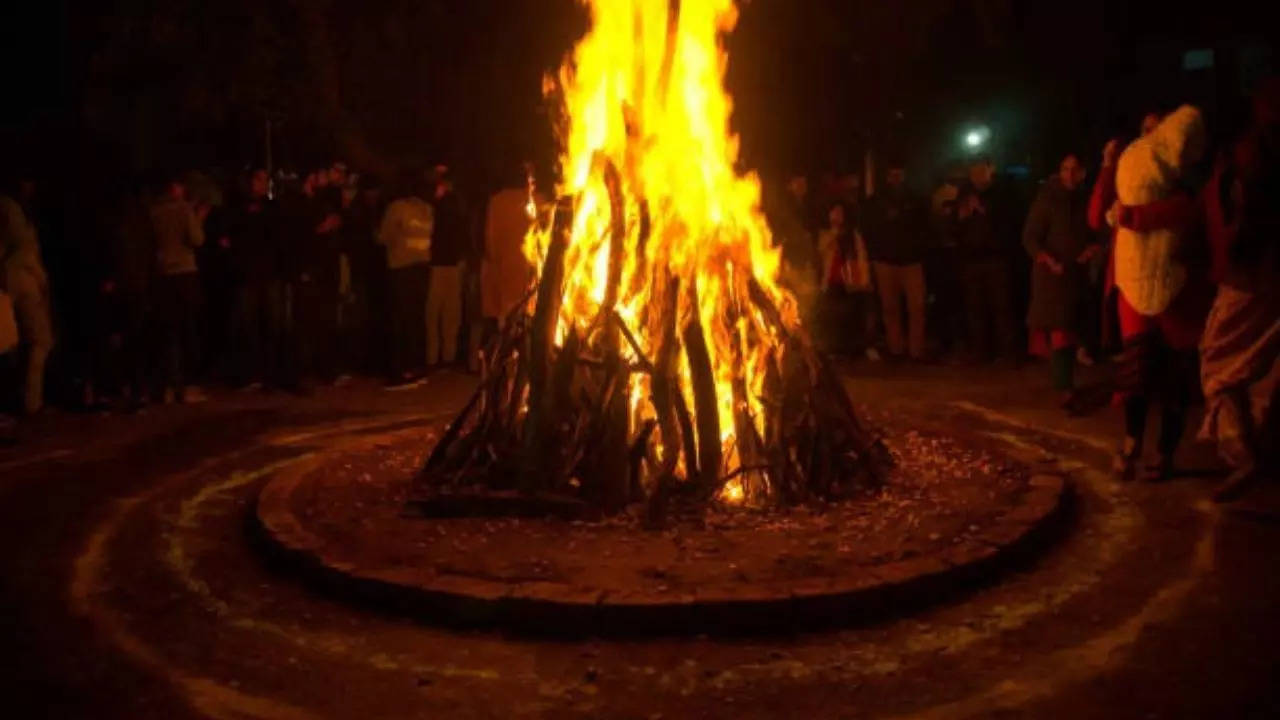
column 705, row 405
column 541, row 336
column 617, row 236
column 663, row 383
column 631, row 340
column 440, row 451
column 639, row 448
column 691, row 460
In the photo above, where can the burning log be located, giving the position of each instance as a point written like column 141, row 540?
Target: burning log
column 538, row 430
column 705, row 406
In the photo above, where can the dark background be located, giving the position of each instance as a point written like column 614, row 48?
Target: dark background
column 96, row 90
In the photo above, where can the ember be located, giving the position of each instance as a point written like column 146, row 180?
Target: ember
column 656, row 357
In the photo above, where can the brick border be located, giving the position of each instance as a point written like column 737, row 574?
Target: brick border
column 544, row 608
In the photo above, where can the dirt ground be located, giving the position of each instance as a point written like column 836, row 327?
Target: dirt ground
column 130, row 590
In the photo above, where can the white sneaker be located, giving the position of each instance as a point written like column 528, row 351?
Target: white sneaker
column 1083, row 357
column 872, row 354
column 192, row 394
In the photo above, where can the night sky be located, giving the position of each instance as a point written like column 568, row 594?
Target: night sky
column 143, row 85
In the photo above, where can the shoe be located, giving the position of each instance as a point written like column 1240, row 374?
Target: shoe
column 872, row 354
column 1084, row 358
column 342, row 380
column 1125, row 462
column 193, row 394
column 254, row 386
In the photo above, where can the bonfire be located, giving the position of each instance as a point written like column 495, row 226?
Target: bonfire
column 657, row 360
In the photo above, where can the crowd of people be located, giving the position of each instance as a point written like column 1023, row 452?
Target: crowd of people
column 288, row 282
column 282, row 282
column 1166, row 265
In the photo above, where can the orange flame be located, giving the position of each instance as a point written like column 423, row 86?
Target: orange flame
column 644, row 92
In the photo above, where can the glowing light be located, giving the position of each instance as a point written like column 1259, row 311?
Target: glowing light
column 733, row 493
column 976, row 137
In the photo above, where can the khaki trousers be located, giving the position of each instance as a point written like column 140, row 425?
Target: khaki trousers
column 895, row 282
column 444, row 313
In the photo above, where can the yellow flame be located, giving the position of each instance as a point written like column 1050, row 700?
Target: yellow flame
column 649, row 98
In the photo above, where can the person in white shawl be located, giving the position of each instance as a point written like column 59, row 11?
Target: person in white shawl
column 1163, row 290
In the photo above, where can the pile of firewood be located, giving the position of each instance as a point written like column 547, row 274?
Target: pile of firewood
column 555, row 419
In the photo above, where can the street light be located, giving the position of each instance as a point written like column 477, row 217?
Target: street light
column 973, row 139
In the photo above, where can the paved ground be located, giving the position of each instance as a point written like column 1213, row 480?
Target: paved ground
column 128, row 589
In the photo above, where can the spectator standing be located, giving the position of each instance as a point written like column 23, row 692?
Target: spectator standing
column 1164, row 295
column 894, row 226
column 846, row 301
column 27, row 284
column 444, row 288
column 1101, row 200
column 406, row 233
column 1240, row 353
column 505, row 272
column 944, row 313
column 362, row 209
column 983, row 228
column 124, row 272
column 179, row 230
column 217, row 276
column 257, row 323
column 316, row 221
column 1057, row 237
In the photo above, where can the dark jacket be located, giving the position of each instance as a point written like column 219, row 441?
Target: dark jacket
column 1057, row 225
column 987, row 233
column 449, row 239
column 308, row 254
column 895, row 228
column 255, row 250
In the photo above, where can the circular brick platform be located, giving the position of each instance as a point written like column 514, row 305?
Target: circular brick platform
column 340, row 518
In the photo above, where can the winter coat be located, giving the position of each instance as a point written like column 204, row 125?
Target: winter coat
column 1148, row 268
column 1057, row 226
column 406, row 232
column 505, row 271
column 178, row 232
column 895, row 226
